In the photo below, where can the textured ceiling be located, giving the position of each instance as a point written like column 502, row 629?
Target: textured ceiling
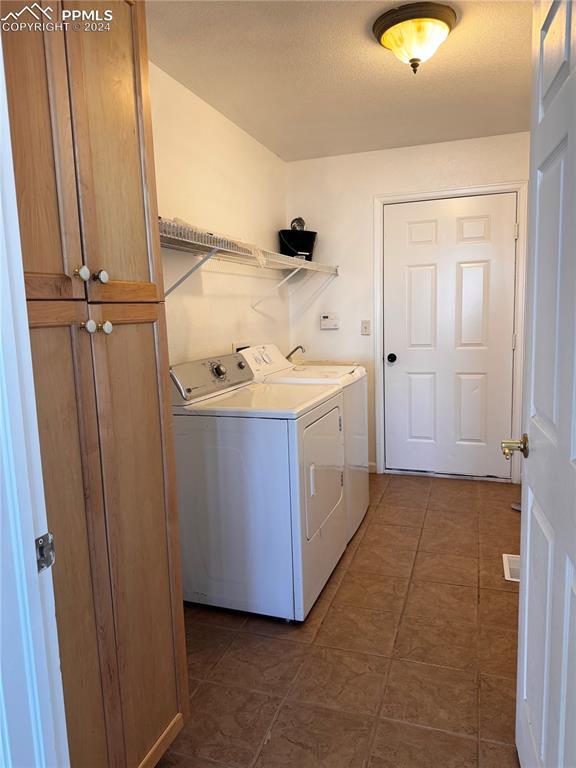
column 307, row 79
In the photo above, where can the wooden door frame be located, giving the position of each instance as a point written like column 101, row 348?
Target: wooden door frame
column 380, row 201
column 33, row 712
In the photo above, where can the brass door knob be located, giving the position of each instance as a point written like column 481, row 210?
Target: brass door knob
column 509, row 446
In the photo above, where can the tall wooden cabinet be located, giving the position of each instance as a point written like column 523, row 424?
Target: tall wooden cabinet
column 82, row 144
column 83, row 163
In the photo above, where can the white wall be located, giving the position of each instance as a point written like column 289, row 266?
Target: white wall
column 335, row 195
column 212, row 174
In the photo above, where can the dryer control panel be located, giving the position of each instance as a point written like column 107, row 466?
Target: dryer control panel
column 210, row 376
column 266, row 359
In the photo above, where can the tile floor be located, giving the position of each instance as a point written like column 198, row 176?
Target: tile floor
column 407, row 660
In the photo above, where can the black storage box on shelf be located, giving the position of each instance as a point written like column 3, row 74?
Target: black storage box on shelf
column 297, row 242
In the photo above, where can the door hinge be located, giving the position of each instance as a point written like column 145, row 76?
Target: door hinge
column 342, row 479
column 513, row 341
column 45, row 554
column 340, row 423
column 516, row 230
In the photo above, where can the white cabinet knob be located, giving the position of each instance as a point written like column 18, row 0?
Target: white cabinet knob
column 90, row 326
column 106, row 327
column 102, row 276
column 83, row 273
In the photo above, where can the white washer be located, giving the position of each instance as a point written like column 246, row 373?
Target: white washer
column 260, row 487
column 270, row 365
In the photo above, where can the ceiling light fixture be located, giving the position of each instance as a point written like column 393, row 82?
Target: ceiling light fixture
column 414, row 32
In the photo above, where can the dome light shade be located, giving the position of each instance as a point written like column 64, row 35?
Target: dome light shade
column 414, row 32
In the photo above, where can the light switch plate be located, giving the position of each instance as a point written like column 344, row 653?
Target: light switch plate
column 366, row 328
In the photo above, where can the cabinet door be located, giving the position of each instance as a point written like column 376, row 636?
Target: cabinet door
column 131, row 374
column 63, row 379
column 108, row 72
column 37, row 90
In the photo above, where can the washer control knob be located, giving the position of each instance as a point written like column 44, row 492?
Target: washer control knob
column 241, row 365
column 219, row 370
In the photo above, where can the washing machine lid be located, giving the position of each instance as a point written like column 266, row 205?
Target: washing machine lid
column 264, row 401
column 269, row 364
column 319, row 374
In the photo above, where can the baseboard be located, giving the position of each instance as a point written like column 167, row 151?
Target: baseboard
column 163, row 742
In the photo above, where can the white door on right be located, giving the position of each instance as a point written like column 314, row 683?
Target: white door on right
column 449, row 268
column 546, row 694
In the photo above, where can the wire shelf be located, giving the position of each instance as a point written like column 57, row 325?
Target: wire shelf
column 202, row 244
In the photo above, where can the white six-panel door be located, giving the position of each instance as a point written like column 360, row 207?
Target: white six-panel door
column 449, row 269
column 546, row 696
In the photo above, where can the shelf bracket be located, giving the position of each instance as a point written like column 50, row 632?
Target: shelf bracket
column 193, row 268
column 275, row 288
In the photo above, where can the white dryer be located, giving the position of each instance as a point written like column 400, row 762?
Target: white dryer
column 268, row 364
column 260, row 487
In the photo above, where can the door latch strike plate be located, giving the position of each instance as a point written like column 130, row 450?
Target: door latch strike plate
column 45, row 554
